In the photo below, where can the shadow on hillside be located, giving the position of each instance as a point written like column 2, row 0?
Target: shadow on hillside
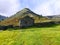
column 43, row 25
column 37, row 25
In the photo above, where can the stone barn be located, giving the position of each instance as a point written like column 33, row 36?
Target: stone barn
column 26, row 21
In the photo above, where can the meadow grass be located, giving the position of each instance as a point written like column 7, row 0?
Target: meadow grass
column 31, row 36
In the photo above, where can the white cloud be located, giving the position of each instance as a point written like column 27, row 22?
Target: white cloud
column 9, row 7
column 44, row 7
column 51, row 7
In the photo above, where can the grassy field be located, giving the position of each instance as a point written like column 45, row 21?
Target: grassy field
column 31, row 36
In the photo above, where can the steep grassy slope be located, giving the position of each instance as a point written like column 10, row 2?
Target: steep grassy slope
column 31, row 36
column 14, row 20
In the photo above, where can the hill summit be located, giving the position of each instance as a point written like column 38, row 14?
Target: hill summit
column 25, row 11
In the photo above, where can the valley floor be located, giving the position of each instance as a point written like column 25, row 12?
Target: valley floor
column 31, row 36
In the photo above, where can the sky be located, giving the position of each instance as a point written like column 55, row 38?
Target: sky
column 41, row 7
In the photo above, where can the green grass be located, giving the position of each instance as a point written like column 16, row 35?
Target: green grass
column 31, row 36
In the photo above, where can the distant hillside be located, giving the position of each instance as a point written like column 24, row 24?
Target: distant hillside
column 2, row 17
column 55, row 18
column 13, row 20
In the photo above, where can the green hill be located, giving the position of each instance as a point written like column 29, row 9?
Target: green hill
column 13, row 20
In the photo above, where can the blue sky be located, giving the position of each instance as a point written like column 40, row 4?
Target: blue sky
column 44, row 7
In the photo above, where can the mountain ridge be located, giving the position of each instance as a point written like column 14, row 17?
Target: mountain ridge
column 24, row 12
column 2, row 17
